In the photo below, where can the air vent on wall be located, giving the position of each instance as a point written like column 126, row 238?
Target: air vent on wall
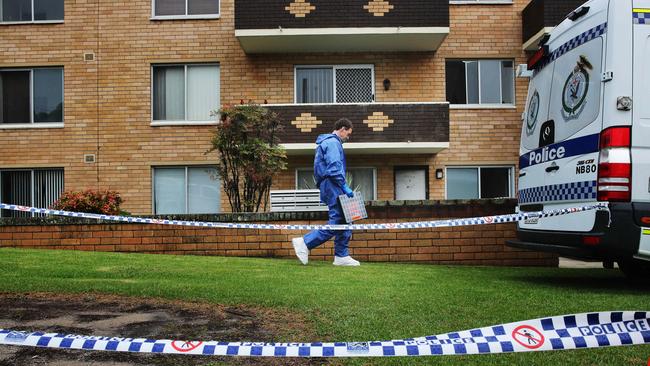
column 89, row 158
column 89, row 56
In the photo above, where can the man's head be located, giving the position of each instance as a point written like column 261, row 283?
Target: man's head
column 343, row 129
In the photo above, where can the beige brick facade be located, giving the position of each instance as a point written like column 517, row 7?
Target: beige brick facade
column 108, row 100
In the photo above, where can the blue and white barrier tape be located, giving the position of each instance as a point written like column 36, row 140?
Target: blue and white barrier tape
column 587, row 330
column 485, row 220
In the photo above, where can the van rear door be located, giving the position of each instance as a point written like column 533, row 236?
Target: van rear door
column 536, row 113
column 567, row 151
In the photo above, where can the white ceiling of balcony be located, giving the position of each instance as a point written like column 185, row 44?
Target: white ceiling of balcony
column 359, row 148
column 385, row 39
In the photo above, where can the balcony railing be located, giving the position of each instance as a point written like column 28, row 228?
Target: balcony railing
column 540, row 16
column 279, row 26
column 379, row 128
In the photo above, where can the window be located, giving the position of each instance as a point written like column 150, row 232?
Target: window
column 185, row 93
column 31, row 95
column 30, row 10
column 479, row 182
column 359, row 179
column 186, row 190
column 185, row 8
column 480, row 81
column 335, row 84
column 25, row 187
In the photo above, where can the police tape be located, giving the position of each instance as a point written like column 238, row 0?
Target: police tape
column 484, row 220
column 587, row 330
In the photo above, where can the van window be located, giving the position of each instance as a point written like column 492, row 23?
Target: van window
column 536, row 113
column 576, row 90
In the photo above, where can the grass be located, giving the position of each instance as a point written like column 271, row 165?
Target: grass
column 376, row 301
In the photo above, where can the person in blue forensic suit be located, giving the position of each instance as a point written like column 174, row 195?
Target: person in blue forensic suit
column 329, row 172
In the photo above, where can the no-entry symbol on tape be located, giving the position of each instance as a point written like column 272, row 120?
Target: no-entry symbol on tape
column 528, row 336
column 185, row 346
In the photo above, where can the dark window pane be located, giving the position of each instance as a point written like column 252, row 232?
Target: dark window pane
column 170, row 7
column 48, row 95
column 14, row 97
column 16, row 10
column 455, row 79
column 495, row 182
column 168, row 93
column 507, row 82
column 48, row 9
column 203, row 7
column 16, row 190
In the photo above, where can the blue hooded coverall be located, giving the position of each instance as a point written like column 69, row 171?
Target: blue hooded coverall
column 329, row 171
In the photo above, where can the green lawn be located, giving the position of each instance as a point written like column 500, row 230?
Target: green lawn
column 373, row 302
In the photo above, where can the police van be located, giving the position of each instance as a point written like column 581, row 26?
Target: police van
column 586, row 137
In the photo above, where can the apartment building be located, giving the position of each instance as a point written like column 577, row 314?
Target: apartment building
column 118, row 94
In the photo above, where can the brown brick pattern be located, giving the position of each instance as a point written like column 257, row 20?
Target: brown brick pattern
column 378, row 121
column 271, row 14
column 306, row 122
column 410, row 122
column 300, row 8
column 378, row 7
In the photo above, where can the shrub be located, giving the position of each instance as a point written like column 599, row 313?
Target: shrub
column 90, row 201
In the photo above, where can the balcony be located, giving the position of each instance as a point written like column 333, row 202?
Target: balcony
column 379, row 128
column 541, row 16
column 281, row 26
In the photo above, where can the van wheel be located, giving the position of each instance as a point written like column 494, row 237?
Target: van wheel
column 635, row 270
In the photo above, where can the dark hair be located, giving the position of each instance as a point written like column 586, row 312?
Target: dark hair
column 342, row 123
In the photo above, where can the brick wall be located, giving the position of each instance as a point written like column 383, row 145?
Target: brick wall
column 471, row 245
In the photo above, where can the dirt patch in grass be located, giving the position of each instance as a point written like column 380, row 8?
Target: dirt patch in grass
column 114, row 316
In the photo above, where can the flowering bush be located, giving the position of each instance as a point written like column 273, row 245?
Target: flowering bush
column 99, row 202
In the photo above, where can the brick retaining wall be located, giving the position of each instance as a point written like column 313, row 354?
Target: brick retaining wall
column 471, row 245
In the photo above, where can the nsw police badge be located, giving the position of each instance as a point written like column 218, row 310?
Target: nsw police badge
column 574, row 93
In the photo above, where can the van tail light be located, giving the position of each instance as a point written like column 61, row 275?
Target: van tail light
column 615, row 167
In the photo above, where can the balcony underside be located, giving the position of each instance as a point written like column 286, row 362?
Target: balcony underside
column 304, row 40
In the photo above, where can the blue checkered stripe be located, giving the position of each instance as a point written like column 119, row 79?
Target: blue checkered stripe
column 486, row 220
column 588, row 330
column 639, row 17
column 575, row 42
column 574, row 191
column 592, row 330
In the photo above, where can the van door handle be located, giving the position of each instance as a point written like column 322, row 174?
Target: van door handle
column 522, row 174
column 552, row 168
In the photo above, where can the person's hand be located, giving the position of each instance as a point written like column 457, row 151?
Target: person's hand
column 348, row 191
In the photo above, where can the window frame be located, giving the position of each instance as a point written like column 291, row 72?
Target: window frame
column 186, row 169
column 31, row 123
column 334, row 67
column 31, row 178
column 185, row 16
column 33, row 21
column 374, row 177
column 480, row 105
column 184, row 122
column 511, row 182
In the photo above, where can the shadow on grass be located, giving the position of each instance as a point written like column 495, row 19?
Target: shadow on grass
column 596, row 281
